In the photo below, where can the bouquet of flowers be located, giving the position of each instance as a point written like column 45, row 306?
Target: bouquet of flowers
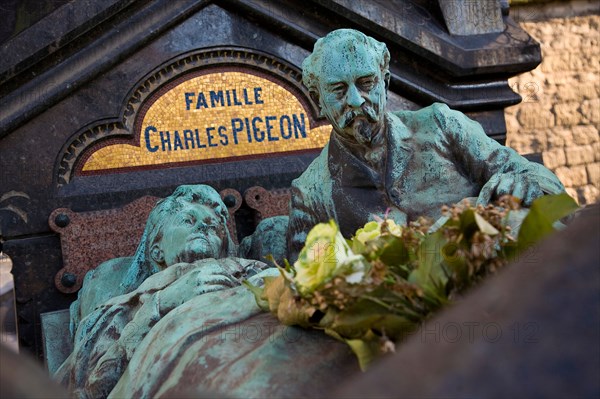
column 375, row 288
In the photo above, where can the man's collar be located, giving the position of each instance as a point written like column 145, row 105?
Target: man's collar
column 347, row 168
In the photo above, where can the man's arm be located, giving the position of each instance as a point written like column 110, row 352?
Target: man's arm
column 500, row 170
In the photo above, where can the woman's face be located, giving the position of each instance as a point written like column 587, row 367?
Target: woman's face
column 193, row 233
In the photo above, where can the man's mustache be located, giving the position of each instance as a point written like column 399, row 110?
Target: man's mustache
column 366, row 111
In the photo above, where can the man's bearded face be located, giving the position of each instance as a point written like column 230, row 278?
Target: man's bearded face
column 352, row 92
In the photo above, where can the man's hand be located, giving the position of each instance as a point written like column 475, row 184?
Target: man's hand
column 518, row 185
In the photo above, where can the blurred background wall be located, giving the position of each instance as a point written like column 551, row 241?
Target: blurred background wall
column 560, row 112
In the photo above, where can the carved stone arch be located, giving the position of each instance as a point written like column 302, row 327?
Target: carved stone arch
column 123, row 128
column 82, row 139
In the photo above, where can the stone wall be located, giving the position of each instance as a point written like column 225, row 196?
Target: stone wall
column 560, row 112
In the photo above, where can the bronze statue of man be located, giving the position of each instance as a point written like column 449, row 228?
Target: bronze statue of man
column 405, row 163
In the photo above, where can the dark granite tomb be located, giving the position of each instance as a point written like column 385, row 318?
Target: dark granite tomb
column 83, row 77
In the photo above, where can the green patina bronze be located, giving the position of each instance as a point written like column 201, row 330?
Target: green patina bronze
column 404, row 163
column 182, row 213
column 175, row 320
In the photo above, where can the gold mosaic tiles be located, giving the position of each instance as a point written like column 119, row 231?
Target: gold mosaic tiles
column 215, row 116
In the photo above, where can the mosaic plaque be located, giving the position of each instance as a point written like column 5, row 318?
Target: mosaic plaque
column 214, row 116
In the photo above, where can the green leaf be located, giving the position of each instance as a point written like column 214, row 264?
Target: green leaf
column 390, row 250
column 510, row 250
column 357, row 246
column 258, row 293
column 394, row 327
column 366, row 349
column 394, row 251
column 289, row 268
column 430, row 274
column 468, row 222
column 367, row 315
column 543, row 213
column 556, row 206
column 454, row 261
